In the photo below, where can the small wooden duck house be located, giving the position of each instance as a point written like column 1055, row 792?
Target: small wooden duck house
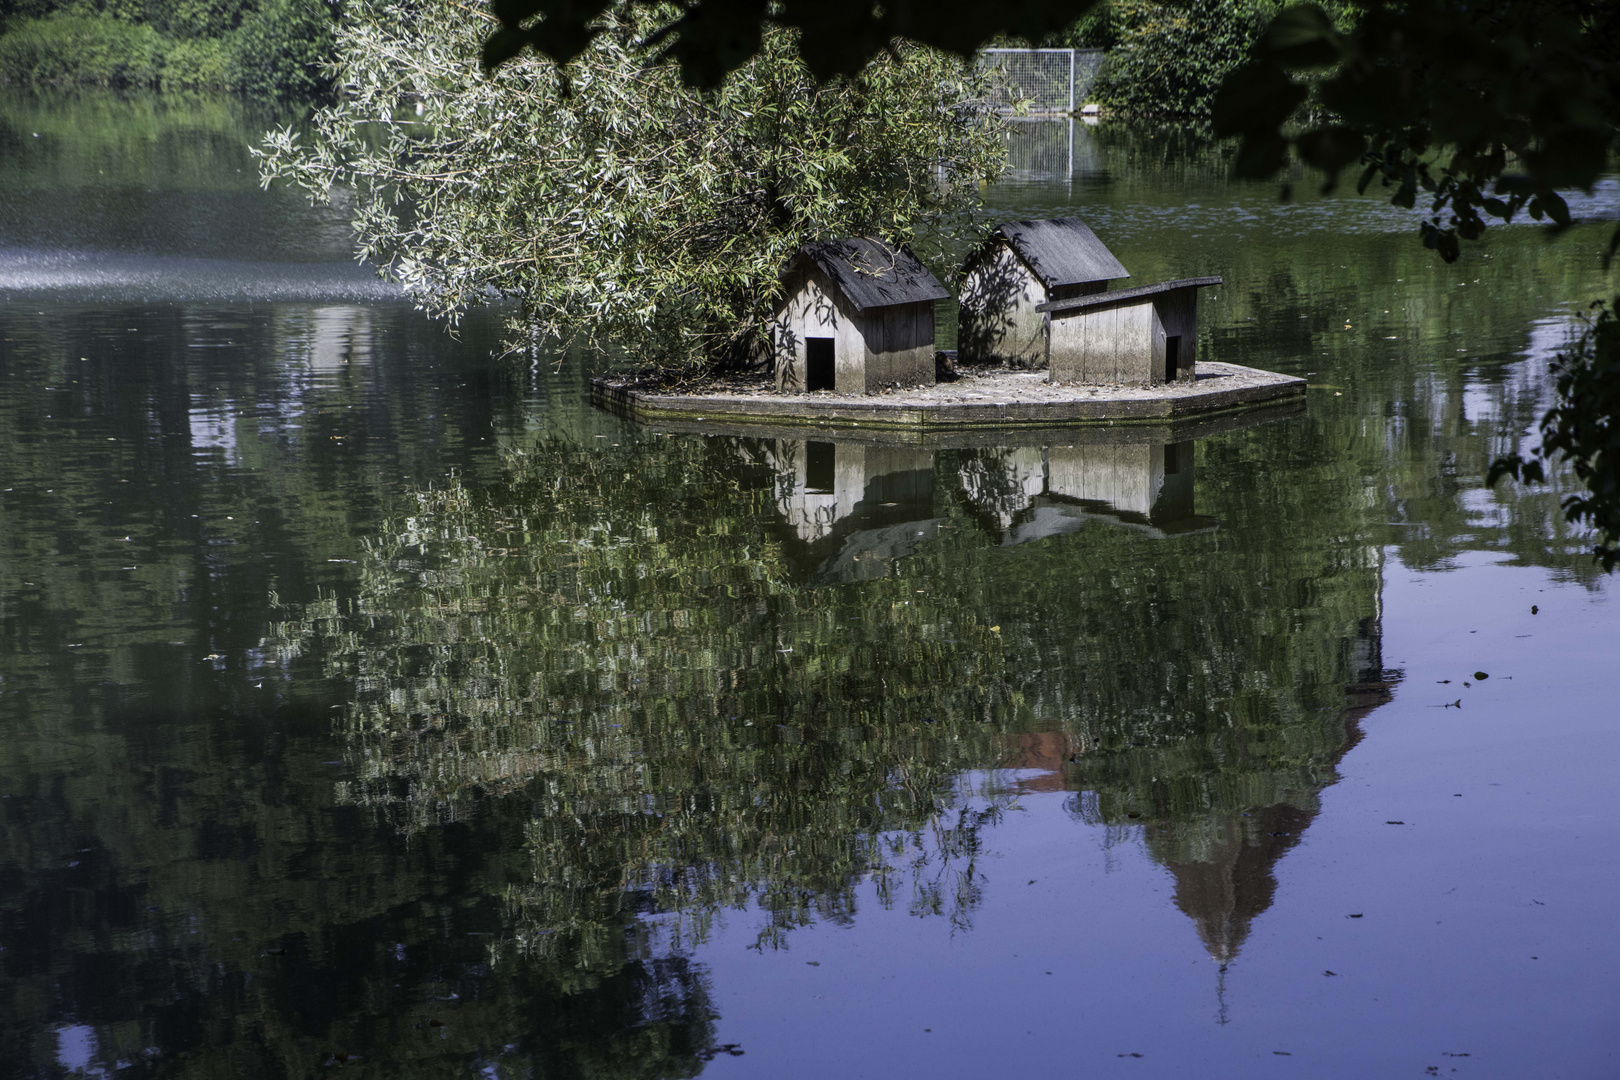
column 1145, row 334
column 1036, row 294
column 1020, row 266
column 857, row 315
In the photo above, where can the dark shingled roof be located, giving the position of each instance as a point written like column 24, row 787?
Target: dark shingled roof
column 1061, row 251
column 871, row 273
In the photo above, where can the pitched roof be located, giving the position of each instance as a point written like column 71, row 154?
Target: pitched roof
column 1061, row 251
column 873, row 274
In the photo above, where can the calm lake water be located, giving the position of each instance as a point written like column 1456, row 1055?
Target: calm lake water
column 371, row 703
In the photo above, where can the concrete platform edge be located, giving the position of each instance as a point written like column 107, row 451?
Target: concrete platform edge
column 866, row 414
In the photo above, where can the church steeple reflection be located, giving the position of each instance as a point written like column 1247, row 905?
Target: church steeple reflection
column 1224, row 860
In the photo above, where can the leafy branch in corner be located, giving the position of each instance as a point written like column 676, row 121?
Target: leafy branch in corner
column 1581, row 430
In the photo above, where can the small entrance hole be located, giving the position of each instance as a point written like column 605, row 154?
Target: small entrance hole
column 1172, row 459
column 819, row 473
column 818, row 363
column 1172, row 358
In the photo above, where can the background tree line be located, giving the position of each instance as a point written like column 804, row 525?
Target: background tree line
column 1167, row 58
column 266, row 48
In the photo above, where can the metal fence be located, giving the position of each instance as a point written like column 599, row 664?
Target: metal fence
column 1051, row 81
column 1039, row 149
column 1087, row 64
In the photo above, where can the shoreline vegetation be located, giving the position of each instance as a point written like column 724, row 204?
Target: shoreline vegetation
column 1166, row 60
column 262, row 48
column 1163, row 59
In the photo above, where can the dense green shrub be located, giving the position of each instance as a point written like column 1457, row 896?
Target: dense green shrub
column 12, row 11
column 197, row 64
column 1581, row 431
column 197, row 18
column 279, row 49
column 619, row 205
column 1098, row 28
column 171, row 18
column 1171, row 58
column 80, row 49
column 269, row 50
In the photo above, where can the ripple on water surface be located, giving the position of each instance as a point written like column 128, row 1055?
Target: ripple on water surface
column 116, row 277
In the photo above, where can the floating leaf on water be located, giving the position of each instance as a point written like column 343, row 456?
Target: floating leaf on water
column 1480, row 676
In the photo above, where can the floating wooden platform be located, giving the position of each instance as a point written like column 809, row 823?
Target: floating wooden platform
column 994, row 400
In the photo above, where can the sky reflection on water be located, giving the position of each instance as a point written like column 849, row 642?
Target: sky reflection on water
column 1474, row 936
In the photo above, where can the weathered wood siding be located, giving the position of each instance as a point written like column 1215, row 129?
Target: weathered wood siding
column 1122, row 343
column 895, row 474
column 899, row 346
column 871, row 349
column 810, row 511
column 814, row 308
column 996, row 317
column 1002, row 483
column 860, row 472
column 1125, row 342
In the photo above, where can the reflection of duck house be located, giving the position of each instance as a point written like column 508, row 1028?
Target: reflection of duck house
column 1144, row 479
column 820, row 483
column 1033, row 495
column 857, row 315
column 1035, row 294
column 338, row 336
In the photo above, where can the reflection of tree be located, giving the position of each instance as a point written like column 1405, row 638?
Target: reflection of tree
column 204, row 921
column 615, row 636
column 619, row 641
column 174, row 876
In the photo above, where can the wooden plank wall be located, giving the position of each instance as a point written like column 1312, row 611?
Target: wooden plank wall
column 815, row 308
column 1123, row 343
column 811, row 514
column 898, row 474
column 900, row 345
column 1176, row 495
column 872, row 349
column 996, row 317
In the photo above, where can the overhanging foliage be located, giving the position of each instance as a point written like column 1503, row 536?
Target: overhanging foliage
column 1581, row 429
column 610, row 198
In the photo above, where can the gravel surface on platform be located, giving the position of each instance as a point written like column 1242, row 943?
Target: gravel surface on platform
column 997, row 386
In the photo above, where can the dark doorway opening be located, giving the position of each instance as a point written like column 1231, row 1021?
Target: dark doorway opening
column 1172, row 459
column 818, row 363
column 1172, row 358
column 819, row 474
